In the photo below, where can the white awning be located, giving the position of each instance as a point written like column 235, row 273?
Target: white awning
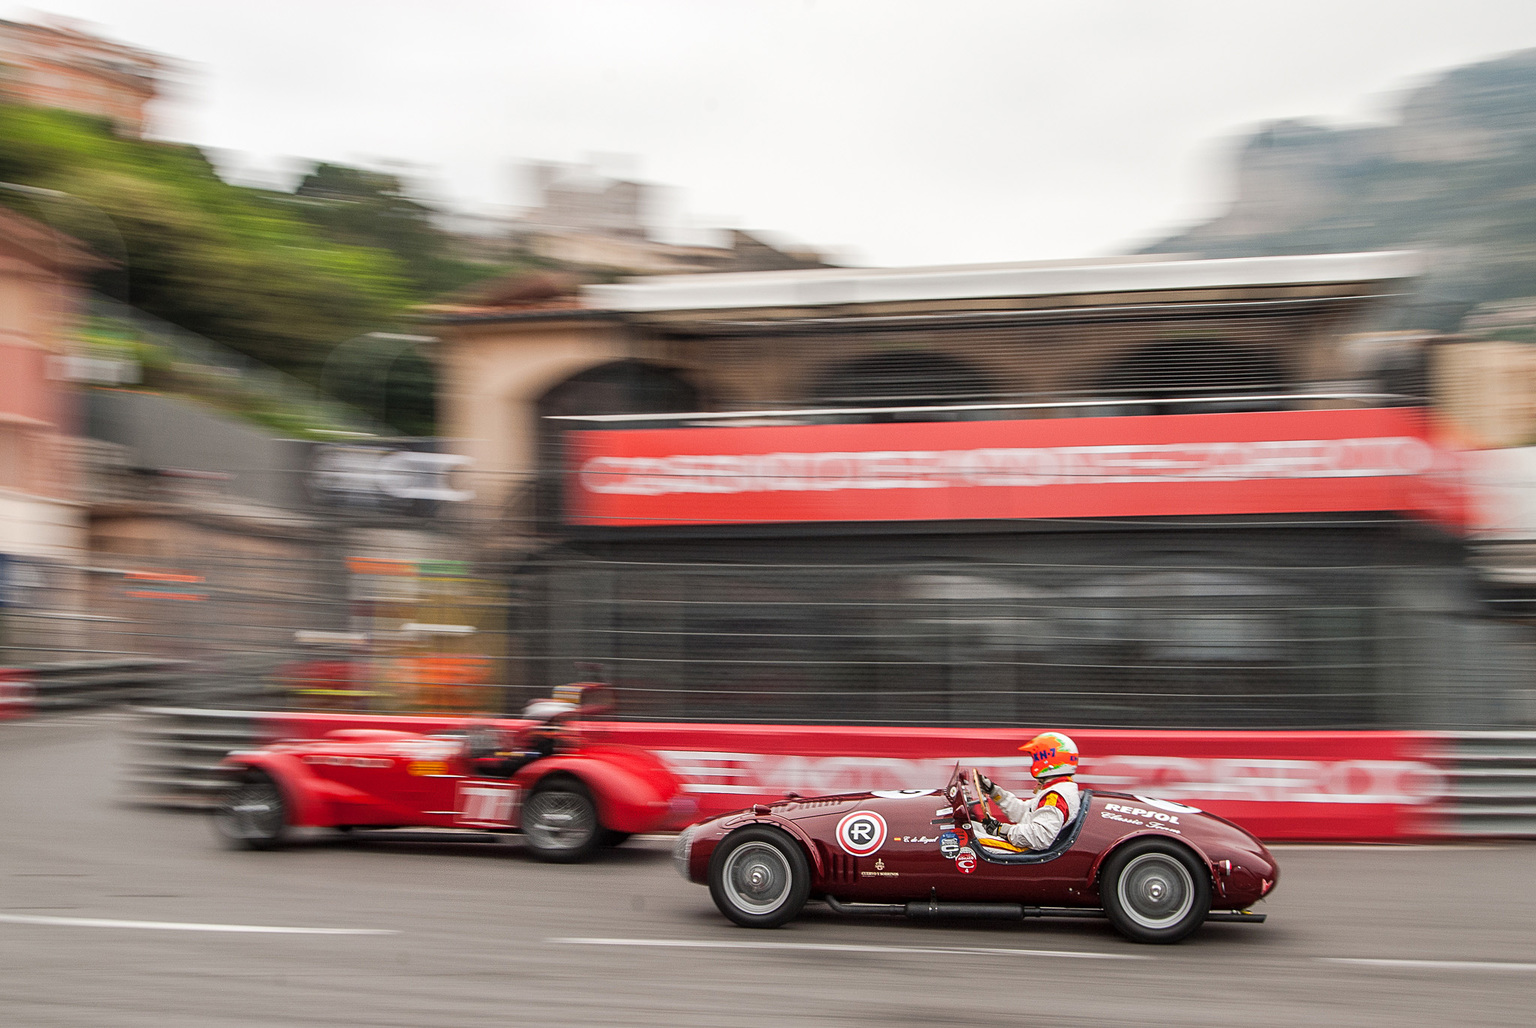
column 834, row 286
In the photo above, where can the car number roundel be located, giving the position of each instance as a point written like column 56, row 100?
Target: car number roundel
column 861, row 833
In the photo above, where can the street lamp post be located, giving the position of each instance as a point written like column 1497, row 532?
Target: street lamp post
column 405, row 341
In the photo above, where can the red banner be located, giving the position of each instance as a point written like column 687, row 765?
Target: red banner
column 1354, row 786
column 1342, row 786
column 1264, row 463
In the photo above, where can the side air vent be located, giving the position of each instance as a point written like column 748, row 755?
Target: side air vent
column 841, row 868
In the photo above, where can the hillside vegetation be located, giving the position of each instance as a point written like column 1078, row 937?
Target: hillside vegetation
column 283, row 278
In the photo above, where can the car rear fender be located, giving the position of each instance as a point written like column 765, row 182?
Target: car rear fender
column 310, row 799
column 1103, row 858
column 627, row 798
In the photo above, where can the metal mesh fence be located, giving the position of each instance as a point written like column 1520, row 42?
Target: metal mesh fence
column 1353, row 626
column 358, row 634
column 1310, row 628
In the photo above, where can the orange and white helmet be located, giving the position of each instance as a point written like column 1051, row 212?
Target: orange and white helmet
column 1052, row 755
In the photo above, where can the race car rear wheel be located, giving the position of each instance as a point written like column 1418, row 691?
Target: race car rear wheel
column 759, row 877
column 559, row 822
column 1154, row 890
column 253, row 815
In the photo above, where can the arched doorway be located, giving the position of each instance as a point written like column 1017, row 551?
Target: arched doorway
column 1192, row 368
column 619, row 387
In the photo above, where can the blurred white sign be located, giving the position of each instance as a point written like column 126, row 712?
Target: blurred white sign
column 369, row 474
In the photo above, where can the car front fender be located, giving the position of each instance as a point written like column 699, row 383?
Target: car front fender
column 812, row 851
column 311, row 800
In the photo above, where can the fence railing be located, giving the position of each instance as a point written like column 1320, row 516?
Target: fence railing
column 987, row 634
column 174, row 754
column 1491, row 783
column 1461, row 785
column 77, row 685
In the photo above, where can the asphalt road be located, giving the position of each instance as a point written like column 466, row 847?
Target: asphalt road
column 112, row 915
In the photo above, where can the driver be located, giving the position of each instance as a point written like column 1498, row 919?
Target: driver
column 1038, row 820
column 530, row 743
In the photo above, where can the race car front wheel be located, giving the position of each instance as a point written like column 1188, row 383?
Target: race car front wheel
column 252, row 815
column 758, row 877
column 560, row 823
column 1154, row 890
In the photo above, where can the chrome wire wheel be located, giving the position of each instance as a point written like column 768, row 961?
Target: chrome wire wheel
column 560, row 824
column 757, row 877
column 253, row 814
column 1156, row 891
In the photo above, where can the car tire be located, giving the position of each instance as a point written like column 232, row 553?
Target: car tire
column 559, row 822
column 759, row 877
column 253, row 815
column 1155, row 890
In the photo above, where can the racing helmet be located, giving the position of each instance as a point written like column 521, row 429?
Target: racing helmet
column 1052, row 755
column 544, row 710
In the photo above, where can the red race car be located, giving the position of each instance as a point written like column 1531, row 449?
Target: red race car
column 1155, row 869
column 567, row 794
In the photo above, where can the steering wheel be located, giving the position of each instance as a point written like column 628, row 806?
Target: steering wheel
column 985, row 813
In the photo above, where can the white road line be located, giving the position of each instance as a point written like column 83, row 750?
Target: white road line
column 1433, row 965
column 186, row 926
column 835, row 947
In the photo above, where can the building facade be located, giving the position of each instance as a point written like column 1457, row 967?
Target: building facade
column 43, row 523
column 59, row 64
column 40, row 297
column 1131, row 494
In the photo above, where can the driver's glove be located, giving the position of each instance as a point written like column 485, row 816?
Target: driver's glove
column 987, row 785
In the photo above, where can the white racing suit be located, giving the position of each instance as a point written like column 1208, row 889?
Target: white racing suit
column 1037, row 821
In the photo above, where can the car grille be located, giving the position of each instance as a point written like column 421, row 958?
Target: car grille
column 682, row 849
column 807, row 804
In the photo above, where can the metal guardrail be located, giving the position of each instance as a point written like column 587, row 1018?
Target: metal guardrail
column 1491, row 784
column 174, row 754
column 100, row 683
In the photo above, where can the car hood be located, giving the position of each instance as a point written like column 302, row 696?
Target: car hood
column 891, row 803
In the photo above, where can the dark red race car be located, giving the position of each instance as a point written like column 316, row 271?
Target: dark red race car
column 1155, row 869
column 567, row 794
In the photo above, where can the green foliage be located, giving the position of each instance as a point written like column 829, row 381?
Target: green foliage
column 213, row 258
column 162, row 369
column 371, row 209
column 282, row 279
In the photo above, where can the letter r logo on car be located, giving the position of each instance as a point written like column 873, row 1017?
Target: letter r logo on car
column 861, row 833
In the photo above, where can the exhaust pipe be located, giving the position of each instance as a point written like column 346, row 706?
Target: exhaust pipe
column 838, row 906
column 990, row 911
column 933, row 909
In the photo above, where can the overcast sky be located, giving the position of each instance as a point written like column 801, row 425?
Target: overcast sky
column 883, row 131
